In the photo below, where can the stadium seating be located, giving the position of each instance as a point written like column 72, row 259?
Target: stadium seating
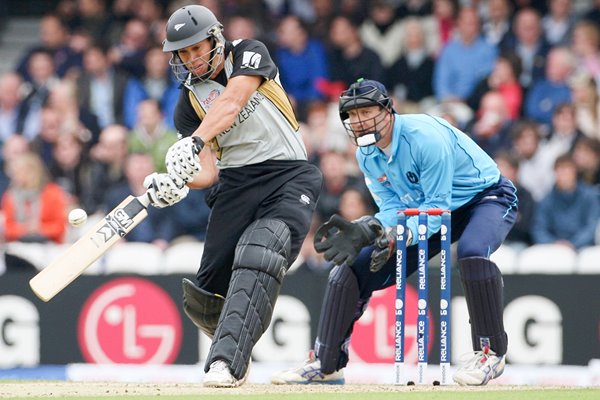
column 183, row 258
column 547, row 259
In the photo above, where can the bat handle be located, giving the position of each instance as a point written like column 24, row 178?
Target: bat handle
column 144, row 199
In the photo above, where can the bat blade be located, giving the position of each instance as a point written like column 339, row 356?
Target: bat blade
column 91, row 246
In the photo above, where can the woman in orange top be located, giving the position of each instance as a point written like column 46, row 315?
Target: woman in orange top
column 34, row 209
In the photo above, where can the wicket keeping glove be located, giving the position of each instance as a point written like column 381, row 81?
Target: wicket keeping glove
column 182, row 159
column 341, row 240
column 163, row 191
column 385, row 245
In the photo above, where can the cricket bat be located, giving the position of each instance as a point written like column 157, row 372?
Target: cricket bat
column 91, row 246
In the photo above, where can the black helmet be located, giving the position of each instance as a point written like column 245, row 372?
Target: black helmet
column 187, row 26
column 364, row 93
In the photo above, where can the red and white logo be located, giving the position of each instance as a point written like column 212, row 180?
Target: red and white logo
column 130, row 321
column 373, row 335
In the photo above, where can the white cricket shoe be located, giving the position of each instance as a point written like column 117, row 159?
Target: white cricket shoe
column 480, row 369
column 309, row 373
column 219, row 375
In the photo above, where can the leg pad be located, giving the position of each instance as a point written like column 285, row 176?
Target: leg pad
column 260, row 263
column 341, row 308
column 202, row 307
column 483, row 286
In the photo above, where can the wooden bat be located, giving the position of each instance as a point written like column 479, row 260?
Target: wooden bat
column 91, row 246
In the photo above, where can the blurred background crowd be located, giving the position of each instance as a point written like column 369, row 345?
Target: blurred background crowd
column 86, row 111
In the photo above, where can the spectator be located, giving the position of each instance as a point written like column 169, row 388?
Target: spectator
column 51, row 125
column 150, row 13
column 440, row 27
column 586, row 47
column 92, row 17
column 34, row 208
column 75, row 118
column 322, row 131
column 151, row 135
column 54, row 41
column 119, row 13
column 498, row 22
column 335, row 181
column 382, row 32
column 42, row 79
column 157, row 83
column 355, row 203
column 546, row 94
column 77, row 175
column 111, row 151
column 302, row 63
column 558, row 23
column 410, row 77
column 464, row 61
column 158, row 227
column 587, row 105
column 505, row 80
column 563, row 133
column 324, row 11
column 568, row 215
column 349, row 59
column 593, row 15
column 131, row 48
column 491, row 127
column 586, row 155
column 414, row 8
column 13, row 147
column 101, row 87
column 535, row 174
column 528, row 42
column 10, row 103
column 520, row 234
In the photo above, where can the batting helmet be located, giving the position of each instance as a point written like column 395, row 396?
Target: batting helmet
column 190, row 25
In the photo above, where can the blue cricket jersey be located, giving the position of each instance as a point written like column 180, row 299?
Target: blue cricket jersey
column 432, row 165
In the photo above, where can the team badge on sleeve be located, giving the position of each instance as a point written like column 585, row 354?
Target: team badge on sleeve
column 251, row 60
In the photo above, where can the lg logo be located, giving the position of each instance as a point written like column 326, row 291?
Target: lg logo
column 130, row 320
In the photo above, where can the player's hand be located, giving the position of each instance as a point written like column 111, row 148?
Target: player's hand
column 163, row 191
column 182, row 159
column 341, row 240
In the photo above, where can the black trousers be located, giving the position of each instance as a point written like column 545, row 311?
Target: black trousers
column 283, row 190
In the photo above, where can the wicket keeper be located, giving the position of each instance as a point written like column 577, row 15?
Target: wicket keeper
column 412, row 161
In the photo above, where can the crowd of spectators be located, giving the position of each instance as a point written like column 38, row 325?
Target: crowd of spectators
column 87, row 112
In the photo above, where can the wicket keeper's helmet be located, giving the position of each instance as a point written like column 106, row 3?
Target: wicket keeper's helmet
column 364, row 93
column 190, row 25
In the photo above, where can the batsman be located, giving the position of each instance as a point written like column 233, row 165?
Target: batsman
column 233, row 106
column 412, row 161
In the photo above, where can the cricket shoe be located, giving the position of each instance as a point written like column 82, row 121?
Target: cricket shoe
column 480, row 368
column 309, row 373
column 219, row 375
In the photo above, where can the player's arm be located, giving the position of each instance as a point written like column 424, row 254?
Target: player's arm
column 252, row 64
column 209, row 174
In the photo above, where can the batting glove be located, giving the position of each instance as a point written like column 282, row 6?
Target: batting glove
column 163, row 191
column 182, row 159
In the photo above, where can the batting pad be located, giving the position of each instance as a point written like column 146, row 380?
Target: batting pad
column 260, row 263
column 339, row 311
column 202, row 307
column 483, row 287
